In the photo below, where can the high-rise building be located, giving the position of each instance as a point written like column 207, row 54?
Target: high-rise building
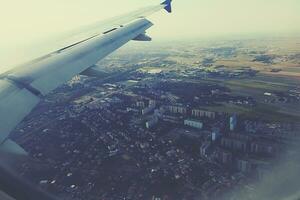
column 225, row 157
column 203, row 113
column 193, row 123
column 235, row 143
column 152, row 103
column 152, row 122
column 233, row 122
column 150, row 108
column 140, row 104
column 177, row 109
column 204, row 149
column 263, row 147
column 243, row 165
column 215, row 135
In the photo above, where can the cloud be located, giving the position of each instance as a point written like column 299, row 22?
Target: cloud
column 280, row 183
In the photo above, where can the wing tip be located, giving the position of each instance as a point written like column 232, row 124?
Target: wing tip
column 168, row 5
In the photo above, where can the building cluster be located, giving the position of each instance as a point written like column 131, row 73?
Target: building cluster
column 138, row 140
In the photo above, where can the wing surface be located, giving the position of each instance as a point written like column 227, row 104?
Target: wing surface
column 22, row 87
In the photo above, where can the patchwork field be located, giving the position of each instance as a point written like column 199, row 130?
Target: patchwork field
column 280, row 77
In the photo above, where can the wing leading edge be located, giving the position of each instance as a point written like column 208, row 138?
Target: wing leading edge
column 22, row 87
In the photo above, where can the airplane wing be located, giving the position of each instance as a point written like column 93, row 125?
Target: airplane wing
column 22, row 87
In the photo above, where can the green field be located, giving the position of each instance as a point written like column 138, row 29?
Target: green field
column 256, row 88
column 261, row 111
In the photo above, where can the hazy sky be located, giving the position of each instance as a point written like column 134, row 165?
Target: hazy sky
column 25, row 22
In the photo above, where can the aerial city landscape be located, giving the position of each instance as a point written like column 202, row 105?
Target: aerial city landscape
column 170, row 121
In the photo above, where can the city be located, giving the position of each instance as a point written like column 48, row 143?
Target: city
column 185, row 121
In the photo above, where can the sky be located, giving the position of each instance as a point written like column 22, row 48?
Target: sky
column 24, row 23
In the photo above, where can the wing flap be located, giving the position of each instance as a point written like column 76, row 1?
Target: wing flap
column 15, row 104
column 11, row 147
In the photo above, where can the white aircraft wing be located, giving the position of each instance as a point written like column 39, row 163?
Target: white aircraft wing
column 22, row 87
